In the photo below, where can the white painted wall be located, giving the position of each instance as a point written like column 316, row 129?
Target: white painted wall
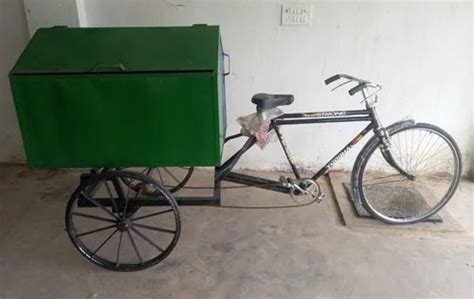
column 13, row 38
column 48, row 13
column 81, row 13
column 421, row 52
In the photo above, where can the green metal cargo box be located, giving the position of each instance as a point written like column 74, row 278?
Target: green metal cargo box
column 120, row 97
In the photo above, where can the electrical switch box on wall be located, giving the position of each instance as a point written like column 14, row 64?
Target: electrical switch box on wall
column 296, row 14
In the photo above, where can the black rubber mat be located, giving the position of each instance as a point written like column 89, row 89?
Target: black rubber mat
column 390, row 203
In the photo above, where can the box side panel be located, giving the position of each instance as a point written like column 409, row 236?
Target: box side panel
column 17, row 101
column 117, row 120
column 221, row 101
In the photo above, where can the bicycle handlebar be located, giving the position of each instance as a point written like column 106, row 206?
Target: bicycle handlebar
column 332, row 79
column 359, row 87
column 344, row 76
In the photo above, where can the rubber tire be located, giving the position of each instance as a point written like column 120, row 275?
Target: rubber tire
column 371, row 146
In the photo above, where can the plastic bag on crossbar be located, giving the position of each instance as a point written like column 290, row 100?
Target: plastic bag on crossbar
column 257, row 124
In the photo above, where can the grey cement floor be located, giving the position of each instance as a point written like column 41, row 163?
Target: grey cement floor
column 296, row 252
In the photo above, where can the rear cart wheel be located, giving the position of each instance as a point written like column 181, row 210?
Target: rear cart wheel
column 122, row 228
column 171, row 178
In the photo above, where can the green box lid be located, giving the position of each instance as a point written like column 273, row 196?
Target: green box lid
column 126, row 49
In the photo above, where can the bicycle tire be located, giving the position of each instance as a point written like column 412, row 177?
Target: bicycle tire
column 360, row 189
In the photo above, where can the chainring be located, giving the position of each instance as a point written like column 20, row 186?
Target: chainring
column 305, row 191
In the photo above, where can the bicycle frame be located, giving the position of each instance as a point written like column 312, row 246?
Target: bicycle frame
column 224, row 173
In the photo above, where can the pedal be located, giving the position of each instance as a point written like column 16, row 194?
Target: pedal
column 320, row 197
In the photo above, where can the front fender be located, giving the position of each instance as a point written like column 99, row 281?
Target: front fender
column 399, row 124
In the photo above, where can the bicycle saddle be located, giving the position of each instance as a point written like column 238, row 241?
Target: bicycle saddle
column 267, row 101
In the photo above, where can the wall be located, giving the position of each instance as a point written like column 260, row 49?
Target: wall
column 47, row 13
column 13, row 38
column 420, row 52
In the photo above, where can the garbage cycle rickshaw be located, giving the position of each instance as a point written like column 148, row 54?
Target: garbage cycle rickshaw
column 167, row 116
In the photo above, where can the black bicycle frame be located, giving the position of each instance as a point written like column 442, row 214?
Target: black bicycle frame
column 223, row 172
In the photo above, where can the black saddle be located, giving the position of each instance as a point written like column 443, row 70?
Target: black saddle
column 267, row 101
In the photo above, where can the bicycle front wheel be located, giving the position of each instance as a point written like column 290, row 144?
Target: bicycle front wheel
column 422, row 150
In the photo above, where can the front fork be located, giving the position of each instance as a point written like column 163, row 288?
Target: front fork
column 385, row 145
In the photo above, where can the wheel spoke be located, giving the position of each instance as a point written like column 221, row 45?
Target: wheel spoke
column 96, row 230
column 411, row 147
column 161, row 176
column 169, row 172
column 435, row 166
column 385, row 182
column 384, row 177
column 163, row 230
column 149, row 170
column 135, row 246
column 93, row 217
column 118, row 189
column 118, row 250
column 152, row 214
column 428, row 156
column 420, row 142
column 443, row 178
column 112, row 199
column 105, row 241
column 429, row 182
column 406, row 151
column 98, row 205
column 439, row 157
column 147, row 239
column 429, row 144
column 121, row 195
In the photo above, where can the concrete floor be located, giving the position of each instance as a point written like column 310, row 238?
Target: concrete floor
column 293, row 252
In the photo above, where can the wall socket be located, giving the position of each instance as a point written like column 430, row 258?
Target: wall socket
column 296, row 14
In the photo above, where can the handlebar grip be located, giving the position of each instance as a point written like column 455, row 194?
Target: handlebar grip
column 331, row 79
column 358, row 88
